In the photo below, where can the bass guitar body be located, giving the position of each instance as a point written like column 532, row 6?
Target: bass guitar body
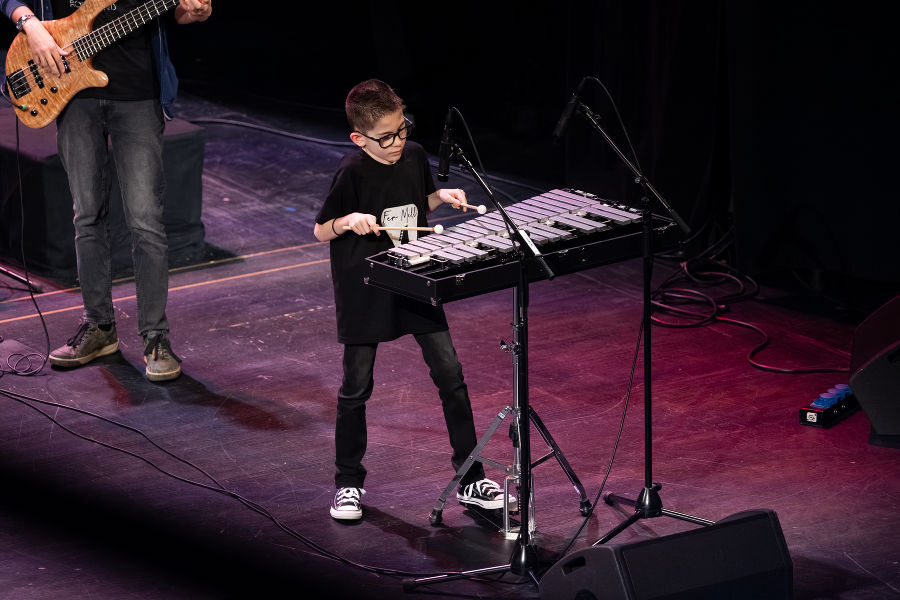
column 39, row 94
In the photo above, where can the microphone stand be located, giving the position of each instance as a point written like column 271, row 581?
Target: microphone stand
column 20, row 279
column 648, row 503
column 524, row 558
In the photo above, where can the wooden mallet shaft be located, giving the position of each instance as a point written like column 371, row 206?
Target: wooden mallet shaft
column 436, row 228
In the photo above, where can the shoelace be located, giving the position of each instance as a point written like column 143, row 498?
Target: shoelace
column 488, row 488
column 159, row 344
column 351, row 495
column 483, row 487
column 76, row 339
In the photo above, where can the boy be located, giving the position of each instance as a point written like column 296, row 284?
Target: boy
column 387, row 181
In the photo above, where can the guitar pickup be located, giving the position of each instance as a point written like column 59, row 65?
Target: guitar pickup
column 18, row 84
column 38, row 78
column 65, row 62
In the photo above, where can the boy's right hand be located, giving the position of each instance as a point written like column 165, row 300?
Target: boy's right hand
column 362, row 223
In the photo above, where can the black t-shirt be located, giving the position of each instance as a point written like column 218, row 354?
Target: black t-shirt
column 128, row 61
column 397, row 195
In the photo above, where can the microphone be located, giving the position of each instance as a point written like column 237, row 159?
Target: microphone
column 444, row 152
column 567, row 113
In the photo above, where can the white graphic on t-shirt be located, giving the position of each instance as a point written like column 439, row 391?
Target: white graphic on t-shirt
column 401, row 216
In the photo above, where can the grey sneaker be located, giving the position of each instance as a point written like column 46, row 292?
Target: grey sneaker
column 162, row 364
column 88, row 343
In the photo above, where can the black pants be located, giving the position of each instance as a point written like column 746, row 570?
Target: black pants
column 358, row 383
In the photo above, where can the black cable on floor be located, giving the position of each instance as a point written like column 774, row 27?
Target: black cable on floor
column 19, row 363
column 708, row 309
column 217, row 487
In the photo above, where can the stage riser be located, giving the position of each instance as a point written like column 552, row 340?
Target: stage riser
column 47, row 229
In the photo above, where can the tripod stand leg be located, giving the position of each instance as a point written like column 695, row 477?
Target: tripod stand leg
column 475, row 454
column 648, row 505
column 409, row 584
column 34, row 288
column 618, row 529
column 584, row 504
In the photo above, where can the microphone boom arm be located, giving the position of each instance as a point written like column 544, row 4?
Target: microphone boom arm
column 526, row 245
column 638, row 176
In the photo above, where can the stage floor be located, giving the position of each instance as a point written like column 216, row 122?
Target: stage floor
column 217, row 485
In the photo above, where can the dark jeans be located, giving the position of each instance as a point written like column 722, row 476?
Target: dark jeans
column 133, row 130
column 350, row 429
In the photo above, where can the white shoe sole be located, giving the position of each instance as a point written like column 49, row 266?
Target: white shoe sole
column 346, row 515
column 486, row 504
column 83, row 360
column 163, row 376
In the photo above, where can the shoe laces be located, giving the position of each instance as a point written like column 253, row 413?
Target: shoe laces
column 350, row 494
column 485, row 487
column 159, row 346
column 76, row 339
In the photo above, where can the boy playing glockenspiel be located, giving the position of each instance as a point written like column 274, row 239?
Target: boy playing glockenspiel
column 387, row 182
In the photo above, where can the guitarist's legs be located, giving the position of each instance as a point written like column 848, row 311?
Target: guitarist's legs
column 134, row 131
column 82, row 145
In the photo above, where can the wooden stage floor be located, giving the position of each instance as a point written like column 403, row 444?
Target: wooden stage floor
column 217, row 485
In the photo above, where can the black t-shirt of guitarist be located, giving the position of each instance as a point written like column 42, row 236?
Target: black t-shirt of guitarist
column 128, row 62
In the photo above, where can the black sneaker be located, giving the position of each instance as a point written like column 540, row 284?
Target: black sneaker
column 162, row 364
column 346, row 504
column 483, row 493
column 88, row 343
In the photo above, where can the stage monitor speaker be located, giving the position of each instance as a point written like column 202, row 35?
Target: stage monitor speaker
column 875, row 372
column 741, row 557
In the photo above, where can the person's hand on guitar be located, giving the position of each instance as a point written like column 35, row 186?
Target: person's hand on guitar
column 44, row 49
column 193, row 11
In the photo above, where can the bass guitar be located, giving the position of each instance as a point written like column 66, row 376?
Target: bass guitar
column 40, row 95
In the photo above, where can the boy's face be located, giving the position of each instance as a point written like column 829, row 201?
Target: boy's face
column 385, row 126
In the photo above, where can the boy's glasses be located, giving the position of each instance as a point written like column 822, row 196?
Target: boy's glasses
column 386, row 141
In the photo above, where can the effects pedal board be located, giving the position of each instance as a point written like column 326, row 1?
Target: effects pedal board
column 830, row 407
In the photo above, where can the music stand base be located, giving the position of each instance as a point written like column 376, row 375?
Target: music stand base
column 647, row 506
column 523, row 560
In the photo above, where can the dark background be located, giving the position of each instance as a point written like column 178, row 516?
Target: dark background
column 769, row 126
column 772, row 122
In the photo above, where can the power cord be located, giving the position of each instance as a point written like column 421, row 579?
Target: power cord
column 30, row 363
column 615, row 448
column 216, row 486
column 706, row 309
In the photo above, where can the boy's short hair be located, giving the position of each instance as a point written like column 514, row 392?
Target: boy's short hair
column 369, row 101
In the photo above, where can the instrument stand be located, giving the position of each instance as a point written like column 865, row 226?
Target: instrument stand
column 512, row 471
column 648, row 503
column 524, row 558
